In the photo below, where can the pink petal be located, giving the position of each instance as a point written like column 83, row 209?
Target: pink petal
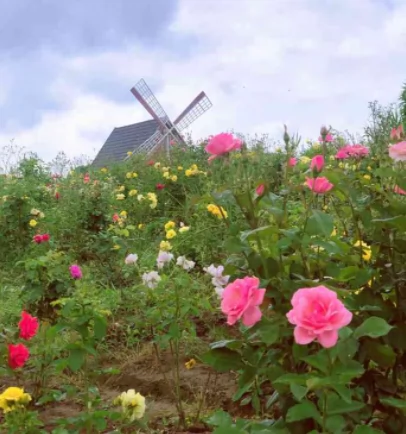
column 251, row 316
column 328, row 338
column 303, row 336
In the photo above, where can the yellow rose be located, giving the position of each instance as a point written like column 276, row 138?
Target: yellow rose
column 132, row 404
column 135, row 175
column 120, row 196
column 128, row 175
column 132, row 192
column 188, row 172
column 33, row 223
column 129, row 153
column 180, row 168
column 165, row 246
column 141, row 226
column 170, row 234
column 170, row 225
column 184, row 229
column 174, row 178
column 367, row 177
column 166, row 175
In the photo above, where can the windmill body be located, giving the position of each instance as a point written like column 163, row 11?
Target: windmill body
column 148, row 136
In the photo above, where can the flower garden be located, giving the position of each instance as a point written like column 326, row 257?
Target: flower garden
column 225, row 289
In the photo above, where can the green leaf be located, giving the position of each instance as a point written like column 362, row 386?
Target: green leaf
column 381, row 354
column 100, row 327
column 270, row 334
column 291, row 378
column 346, row 349
column 319, row 361
column 219, row 418
column 229, row 430
column 226, row 343
column 364, row 429
column 394, row 402
column 374, row 327
column 174, row 331
column 299, row 392
column 76, row 359
column 304, row 410
column 223, row 359
column 320, row 222
column 335, row 424
column 336, row 405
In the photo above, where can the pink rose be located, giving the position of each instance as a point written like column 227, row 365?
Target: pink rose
column 319, row 185
column 317, row 163
column 398, row 190
column 318, row 315
column 222, row 144
column 260, row 189
column 342, row 153
column 398, row 152
column 357, row 150
column 292, row 162
column 75, row 271
column 240, row 299
column 328, row 138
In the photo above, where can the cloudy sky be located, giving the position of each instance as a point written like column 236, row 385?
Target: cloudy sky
column 66, row 67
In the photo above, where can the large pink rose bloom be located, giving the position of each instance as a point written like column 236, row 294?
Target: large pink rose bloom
column 222, row 144
column 319, row 185
column 241, row 299
column 357, row 150
column 318, row 315
column 398, row 152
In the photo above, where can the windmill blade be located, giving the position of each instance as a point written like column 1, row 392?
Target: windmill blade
column 194, row 110
column 145, row 96
column 149, row 144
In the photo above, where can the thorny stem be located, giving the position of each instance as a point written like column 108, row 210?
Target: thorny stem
column 203, row 397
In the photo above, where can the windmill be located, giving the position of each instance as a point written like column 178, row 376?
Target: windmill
column 145, row 137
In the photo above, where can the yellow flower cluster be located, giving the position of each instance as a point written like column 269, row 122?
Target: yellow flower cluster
column 366, row 250
column 217, row 211
column 165, row 246
column 153, row 199
column 13, row 398
column 132, row 404
column 167, row 175
column 193, row 170
column 120, row 196
column 130, row 175
column 37, row 214
column 170, row 227
column 132, row 192
column 104, row 170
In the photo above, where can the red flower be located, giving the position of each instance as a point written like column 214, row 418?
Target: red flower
column 150, row 163
column 160, row 186
column 57, row 195
column 17, row 355
column 86, row 178
column 260, row 189
column 116, row 217
column 37, row 238
column 41, row 238
column 28, row 326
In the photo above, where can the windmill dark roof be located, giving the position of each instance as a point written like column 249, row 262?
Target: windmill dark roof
column 124, row 139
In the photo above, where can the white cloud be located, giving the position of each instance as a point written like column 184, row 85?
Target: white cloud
column 261, row 62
